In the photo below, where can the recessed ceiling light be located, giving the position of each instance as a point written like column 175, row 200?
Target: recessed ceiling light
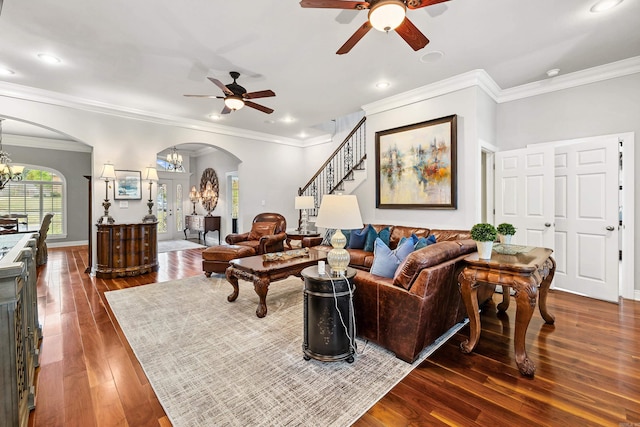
column 48, row 58
column 603, row 5
column 6, row 72
column 554, row 72
column 215, row 116
column 432, row 56
column 302, row 134
column 288, row 119
column 383, row 85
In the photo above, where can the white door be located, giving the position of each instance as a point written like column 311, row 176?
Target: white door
column 586, row 216
column 524, row 194
column 169, row 202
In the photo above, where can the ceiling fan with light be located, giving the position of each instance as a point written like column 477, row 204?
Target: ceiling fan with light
column 384, row 15
column 237, row 97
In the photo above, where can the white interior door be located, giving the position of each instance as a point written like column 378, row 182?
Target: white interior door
column 586, row 216
column 169, row 209
column 524, row 194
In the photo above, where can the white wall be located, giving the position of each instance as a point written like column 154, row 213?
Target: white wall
column 603, row 108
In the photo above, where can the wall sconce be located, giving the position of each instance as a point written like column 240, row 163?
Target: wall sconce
column 150, row 174
column 108, row 173
column 194, row 197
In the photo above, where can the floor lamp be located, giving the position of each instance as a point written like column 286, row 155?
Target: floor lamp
column 108, row 173
column 150, row 174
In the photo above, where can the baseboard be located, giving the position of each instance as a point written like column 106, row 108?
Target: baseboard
column 67, row 244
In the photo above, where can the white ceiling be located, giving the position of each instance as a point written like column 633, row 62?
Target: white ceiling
column 144, row 55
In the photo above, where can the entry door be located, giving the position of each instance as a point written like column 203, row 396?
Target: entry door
column 524, row 194
column 169, row 202
column 586, row 215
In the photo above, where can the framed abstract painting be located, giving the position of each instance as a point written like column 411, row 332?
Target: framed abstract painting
column 127, row 185
column 416, row 165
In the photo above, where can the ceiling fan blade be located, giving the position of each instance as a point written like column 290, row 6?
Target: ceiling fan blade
column 259, row 94
column 355, row 38
column 335, row 4
column 225, row 110
column 417, row 4
column 205, row 96
column 220, row 85
column 412, row 35
column 258, row 107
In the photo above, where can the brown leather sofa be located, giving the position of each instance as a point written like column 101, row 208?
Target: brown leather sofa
column 409, row 312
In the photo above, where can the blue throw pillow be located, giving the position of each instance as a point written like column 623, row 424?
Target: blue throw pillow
column 423, row 242
column 372, row 235
column 385, row 260
column 356, row 241
column 413, row 238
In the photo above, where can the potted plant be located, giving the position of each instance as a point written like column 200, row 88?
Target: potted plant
column 506, row 231
column 484, row 234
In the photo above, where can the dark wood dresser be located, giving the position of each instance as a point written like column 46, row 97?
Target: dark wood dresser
column 126, row 249
column 202, row 224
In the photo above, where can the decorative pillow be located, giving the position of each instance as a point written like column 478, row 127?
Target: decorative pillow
column 260, row 229
column 356, row 241
column 384, row 235
column 424, row 242
column 326, row 240
column 414, row 239
column 385, row 260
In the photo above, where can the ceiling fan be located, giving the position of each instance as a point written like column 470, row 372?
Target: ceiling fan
column 236, row 96
column 384, row 15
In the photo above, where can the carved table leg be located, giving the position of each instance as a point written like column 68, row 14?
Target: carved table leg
column 469, row 291
column 544, row 290
column 261, row 286
column 231, row 278
column 526, row 292
column 506, row 298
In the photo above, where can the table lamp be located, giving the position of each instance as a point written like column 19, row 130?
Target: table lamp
column 339, row 212
column 303, row 203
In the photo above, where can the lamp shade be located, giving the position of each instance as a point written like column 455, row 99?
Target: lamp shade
column 387, row 15
column 339, row 212
column 305, row 202
column 108, row 172
column 150, row 174
column 234, row 102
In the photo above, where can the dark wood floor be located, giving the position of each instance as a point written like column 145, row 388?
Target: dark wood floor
column 588, row 364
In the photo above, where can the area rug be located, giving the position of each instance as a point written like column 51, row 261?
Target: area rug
column 212, row 362
column 177, row 245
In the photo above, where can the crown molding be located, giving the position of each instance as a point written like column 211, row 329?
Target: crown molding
column 12, row 90
column 46, row 143
column 612, row 70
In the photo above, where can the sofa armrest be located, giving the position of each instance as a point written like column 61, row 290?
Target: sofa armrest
column 271, row 239
column 309, row 242
column 232, row 239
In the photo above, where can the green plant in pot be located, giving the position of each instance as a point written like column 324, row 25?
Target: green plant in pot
column 506, row 231
column 484, row 234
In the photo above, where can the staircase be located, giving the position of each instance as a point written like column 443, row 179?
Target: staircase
column 340, row 169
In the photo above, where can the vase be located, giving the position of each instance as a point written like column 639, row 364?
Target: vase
column 506, row 238
column 484, row 249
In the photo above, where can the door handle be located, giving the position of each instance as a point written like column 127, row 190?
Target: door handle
column 610, row 228
column 547, row 224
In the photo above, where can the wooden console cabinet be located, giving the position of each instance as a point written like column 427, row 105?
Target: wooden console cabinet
column 20, row 331
column 126, row 249
column 202, row 224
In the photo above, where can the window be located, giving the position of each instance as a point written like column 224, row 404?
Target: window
column 41, row 191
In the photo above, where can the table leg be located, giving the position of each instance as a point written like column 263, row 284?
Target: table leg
column 288, row 242
column 525, row 294
column 261, row 286
column 506, row 298
column 469, row 292
column 231, row 278
column 544, row 290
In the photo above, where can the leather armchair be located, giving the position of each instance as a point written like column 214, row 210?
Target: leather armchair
column 261, row 238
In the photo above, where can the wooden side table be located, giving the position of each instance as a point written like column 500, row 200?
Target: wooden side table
column 524, row 272
column 298, row 235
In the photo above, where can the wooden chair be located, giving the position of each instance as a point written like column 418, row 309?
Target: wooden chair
column 42, row 254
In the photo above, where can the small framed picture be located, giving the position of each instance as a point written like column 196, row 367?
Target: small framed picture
column 127, row 185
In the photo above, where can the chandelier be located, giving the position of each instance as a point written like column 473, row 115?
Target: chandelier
column 7, row 172
column 174, row 161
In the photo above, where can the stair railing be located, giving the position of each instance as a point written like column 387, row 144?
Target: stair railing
column 339, row 167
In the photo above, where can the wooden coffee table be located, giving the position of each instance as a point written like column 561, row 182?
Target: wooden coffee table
column 262, row 273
